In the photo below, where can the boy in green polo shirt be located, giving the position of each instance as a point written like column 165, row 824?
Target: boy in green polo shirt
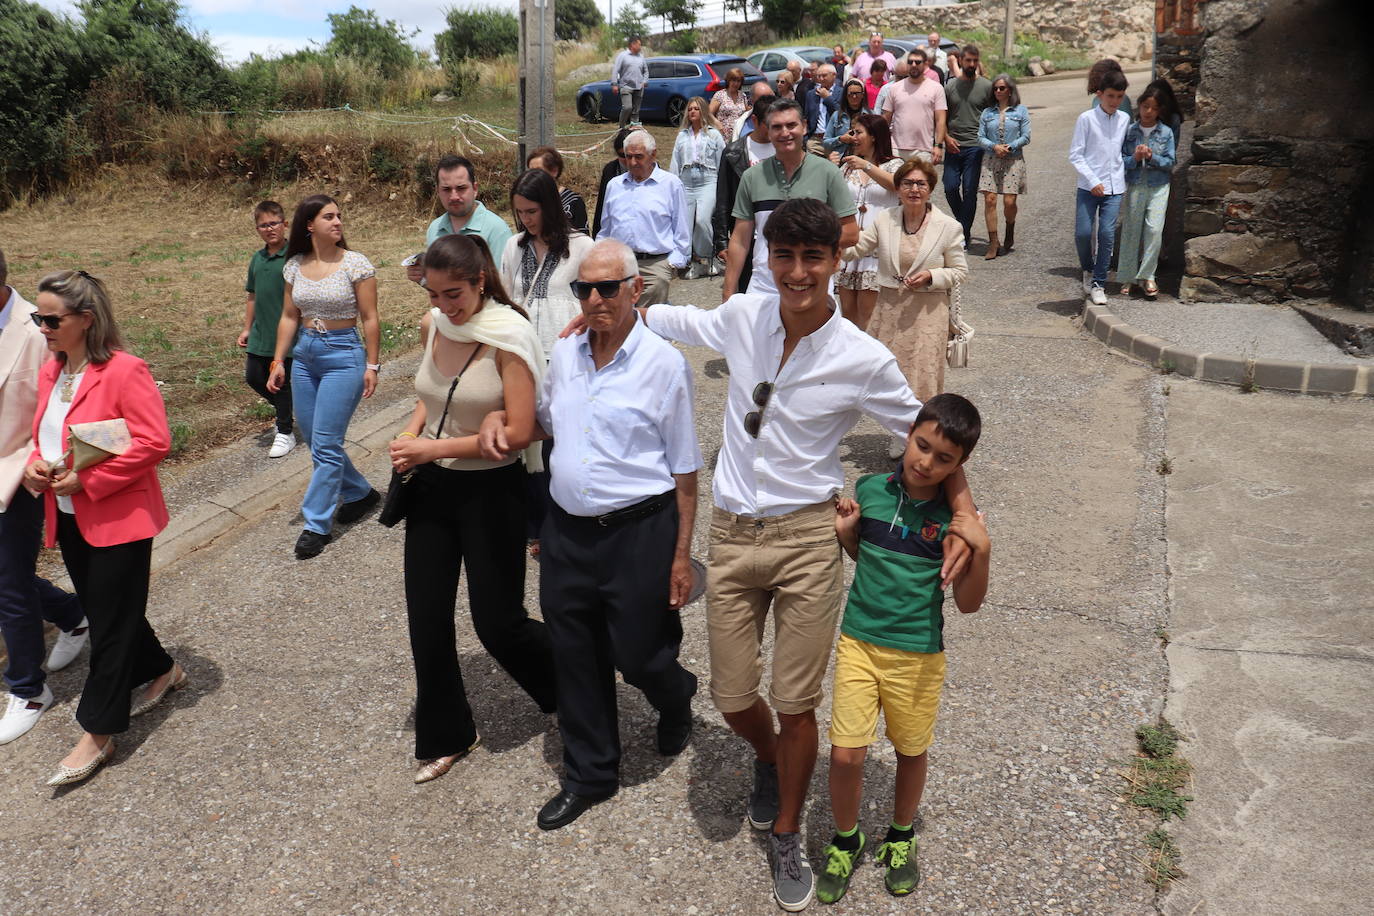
column 891, row 650
column 263, row 311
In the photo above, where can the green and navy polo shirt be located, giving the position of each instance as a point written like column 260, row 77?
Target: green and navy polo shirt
column 896, row 599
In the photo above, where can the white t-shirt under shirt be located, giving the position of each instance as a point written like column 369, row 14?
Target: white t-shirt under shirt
column 50, row 428
column 757, row 151
column 913, row 107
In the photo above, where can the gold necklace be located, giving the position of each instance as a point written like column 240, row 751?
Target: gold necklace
column 69, row 380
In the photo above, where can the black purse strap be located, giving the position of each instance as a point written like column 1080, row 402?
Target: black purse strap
column 443, row 418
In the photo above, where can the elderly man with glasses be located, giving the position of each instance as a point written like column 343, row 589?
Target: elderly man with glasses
column 615, row 568
column 646, row 208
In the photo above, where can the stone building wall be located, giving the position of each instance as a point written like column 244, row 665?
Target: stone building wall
column 1279, row 177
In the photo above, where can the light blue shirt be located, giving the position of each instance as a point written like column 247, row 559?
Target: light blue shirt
column 483, row 222
column 650, row 215
column 622, row 431
column 10, row 299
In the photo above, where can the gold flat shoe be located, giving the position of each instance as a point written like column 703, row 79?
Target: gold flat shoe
column 433, row 769
column 178, row 680
column 66, row 776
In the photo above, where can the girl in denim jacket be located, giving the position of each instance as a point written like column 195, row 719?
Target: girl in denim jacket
column 1148, row 151
column 1004, row 129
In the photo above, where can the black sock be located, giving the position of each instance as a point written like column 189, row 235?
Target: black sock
column 897, row 834
column 847, row 843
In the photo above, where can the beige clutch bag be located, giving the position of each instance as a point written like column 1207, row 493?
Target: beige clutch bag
column 91, row 443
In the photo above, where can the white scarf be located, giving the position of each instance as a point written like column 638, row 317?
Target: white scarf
column 500, row 326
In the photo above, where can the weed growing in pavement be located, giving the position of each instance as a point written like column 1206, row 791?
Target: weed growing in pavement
column 181, row 437
column 1165, row 467
column 1247, row 379
column 1154, row 776
column 1162, row 635
column 1165, row 391
column 1165, row 366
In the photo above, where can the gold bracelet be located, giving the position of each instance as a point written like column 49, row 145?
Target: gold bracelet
column 407, row 435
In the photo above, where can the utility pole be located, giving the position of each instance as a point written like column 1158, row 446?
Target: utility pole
column 1009, row 30
column 536, row 78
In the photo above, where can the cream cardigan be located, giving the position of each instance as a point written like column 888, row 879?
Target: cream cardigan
column 941, row 252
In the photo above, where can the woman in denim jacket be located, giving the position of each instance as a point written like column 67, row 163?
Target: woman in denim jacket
column 1148, row 151
column 838, row 142
column 1003, row 130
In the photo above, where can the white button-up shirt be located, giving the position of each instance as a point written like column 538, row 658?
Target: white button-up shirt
column 1095, row 151
column 834, row 374
column 650, row 215
column 11, row 297
column 621, row 432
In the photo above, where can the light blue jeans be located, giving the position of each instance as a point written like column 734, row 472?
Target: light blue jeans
column 326, row 386
column 1142, row 221
column 1106, row 208
column 700, row 187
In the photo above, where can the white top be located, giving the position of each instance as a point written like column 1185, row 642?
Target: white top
column 834, row 374
column 1095, row 151
column 757, row 151
column 50, row 428
column 622, row 431
column 9, row 307
column 551, row 314
column 330, row 299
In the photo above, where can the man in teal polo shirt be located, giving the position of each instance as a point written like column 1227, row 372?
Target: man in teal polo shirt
column 455, row 181
column 262, row 313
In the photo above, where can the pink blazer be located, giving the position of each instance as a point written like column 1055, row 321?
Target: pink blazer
column 120, row 499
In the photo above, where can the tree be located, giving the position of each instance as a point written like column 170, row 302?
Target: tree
column 574, row 18
column 384, row 44
column 477, row 32
column 829, row 15
column 42, row 77
column 178, row 68
column 678, row 13
column 628, row 22
column 782, row 16
column 742, row 6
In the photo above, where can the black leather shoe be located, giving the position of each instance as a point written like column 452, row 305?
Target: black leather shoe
column 564, row 808
column 351, row 512
column 674, row 731
column 310, row 544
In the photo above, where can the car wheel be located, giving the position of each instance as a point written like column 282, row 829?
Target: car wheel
column 589, row 107
column 677, row 107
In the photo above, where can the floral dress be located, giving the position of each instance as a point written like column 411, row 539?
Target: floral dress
column 871, row 198
column 729, row 111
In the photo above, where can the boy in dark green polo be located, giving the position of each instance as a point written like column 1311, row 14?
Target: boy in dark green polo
column 891, row 651
column 265, row 289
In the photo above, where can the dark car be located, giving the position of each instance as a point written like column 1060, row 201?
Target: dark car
column 672, row 81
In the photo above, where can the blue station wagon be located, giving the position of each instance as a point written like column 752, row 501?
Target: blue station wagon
column 672, row 81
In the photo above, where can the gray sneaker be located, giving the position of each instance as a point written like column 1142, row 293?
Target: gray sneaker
column 793, row 882
column 763, row 798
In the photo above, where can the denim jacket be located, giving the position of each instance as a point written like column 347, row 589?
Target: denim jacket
column 1018, row 128
column 837, row 127
column 1156, row 169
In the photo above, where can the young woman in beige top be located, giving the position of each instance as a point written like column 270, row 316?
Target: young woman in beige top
column 481, row 355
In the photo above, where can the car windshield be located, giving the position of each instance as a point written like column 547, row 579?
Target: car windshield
column 815, row 55
column 720, row 66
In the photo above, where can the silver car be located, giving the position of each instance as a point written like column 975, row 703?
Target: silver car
column 773, row 61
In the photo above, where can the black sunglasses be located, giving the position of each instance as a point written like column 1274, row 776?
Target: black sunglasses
column 604, row 288
column 754, row 418
column 53, row 322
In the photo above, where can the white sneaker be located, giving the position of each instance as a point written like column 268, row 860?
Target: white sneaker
column 283, row 443
column 1098, row 295
column 1087, row 282
column 69, row 645
column 22, row 715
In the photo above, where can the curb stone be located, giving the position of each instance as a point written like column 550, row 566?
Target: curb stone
column 1323, row 379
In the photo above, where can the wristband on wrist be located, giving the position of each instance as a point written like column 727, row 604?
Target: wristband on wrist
column 272, row 367
column 375, row 367
column 407, row 434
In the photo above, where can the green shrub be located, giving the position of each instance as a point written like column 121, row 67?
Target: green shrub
column 684, row 42
column 572, row 19
column 359, row 34
column 42, row 77
column 476, row 32
column 179, row 68
column 629, row 21
column 828, row 15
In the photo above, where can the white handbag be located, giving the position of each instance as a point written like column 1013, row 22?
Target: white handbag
column 956, row 351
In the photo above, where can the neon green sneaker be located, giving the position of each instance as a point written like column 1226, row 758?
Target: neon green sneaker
column 899, row 856
column 839, row 868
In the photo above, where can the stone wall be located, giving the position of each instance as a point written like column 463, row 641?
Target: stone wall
column 1281, row 166
column 732, row 35
column 1109, row 28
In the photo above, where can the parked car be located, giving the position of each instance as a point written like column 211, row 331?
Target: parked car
column 672, row 81
column 773, row 61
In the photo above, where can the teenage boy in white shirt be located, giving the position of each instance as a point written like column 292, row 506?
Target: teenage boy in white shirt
column 1095, row 153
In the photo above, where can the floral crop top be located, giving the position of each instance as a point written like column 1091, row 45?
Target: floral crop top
column 330, row 299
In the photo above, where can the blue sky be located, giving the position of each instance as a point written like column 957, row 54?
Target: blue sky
column 242, row 27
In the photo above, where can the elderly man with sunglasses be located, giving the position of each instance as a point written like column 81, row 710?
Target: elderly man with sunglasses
column 615, row 567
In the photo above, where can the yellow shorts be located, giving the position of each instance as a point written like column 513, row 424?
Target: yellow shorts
column 904, row 685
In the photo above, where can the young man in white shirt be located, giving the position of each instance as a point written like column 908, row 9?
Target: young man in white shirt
column 1095, row 153
column 800, row 377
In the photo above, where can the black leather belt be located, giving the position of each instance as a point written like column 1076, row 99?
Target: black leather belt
column 644, row 255
column 633, row 513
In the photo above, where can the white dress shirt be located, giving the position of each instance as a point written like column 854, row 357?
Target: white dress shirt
column 650, row 215
column 1095, row 151
column 622, row 432
column 8, row 310
column 834, row 374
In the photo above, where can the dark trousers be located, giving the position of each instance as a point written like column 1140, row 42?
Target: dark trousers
column 961, row 183
column 604, row 591
column 27, row 600
column 472, row 519
column 112, row 583
column 255, row 372
column 538, row 486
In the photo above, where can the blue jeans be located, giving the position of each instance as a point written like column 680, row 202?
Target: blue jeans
column 700, row 187
column 961, row 183
column 1106, row 208
column 326, row 386
column 25, row 599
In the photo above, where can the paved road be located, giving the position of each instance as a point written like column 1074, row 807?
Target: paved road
column 281, row 780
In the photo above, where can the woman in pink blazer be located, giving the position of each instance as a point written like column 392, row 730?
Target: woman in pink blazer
column 104, row 516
